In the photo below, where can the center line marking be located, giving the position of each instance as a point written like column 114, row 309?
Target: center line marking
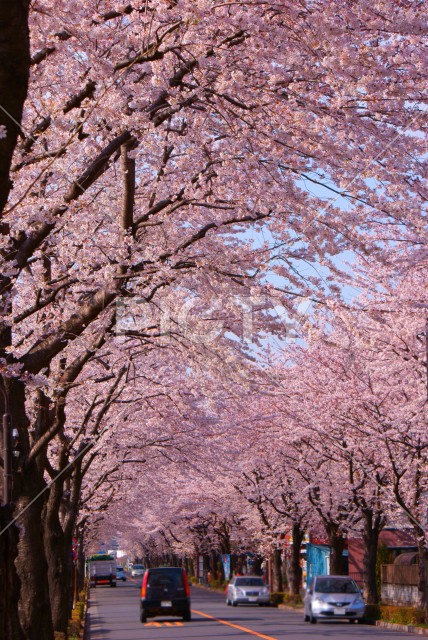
column 235, row 626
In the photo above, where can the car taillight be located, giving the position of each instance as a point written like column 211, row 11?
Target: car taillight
column 186, row 584
column 144, row 584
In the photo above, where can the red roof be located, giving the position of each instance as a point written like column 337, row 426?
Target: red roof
column 397, row 538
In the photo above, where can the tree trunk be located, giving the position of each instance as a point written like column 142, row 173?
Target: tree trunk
column 422, row 581
column 189, row 566
column 337, row 543
column 295, row 580
column 80, row 562
column 4, row 578
column 275, row 559
column 31, row 565
column 14, row 73
column 196, row 564
column 239, row 564
column 372, row 528
column 10, row 627
column 34, row 604
column 212, row 559
column 58, row 554
column 222, row 576
column 257, row 565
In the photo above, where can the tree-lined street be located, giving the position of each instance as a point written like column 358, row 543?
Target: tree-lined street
column 213, row 293
column 114, row 615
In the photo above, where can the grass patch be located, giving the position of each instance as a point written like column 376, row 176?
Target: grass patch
column 218, row 584
column 403, row 615
column 397, row 615
column 293, row 599
column 280, row 597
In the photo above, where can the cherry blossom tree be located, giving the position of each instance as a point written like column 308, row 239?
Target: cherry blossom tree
column 159, row 143
column 360, row 396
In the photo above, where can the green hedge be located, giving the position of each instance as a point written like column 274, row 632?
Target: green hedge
column 279, row 597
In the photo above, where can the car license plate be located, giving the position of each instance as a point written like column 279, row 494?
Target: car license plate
column 252, row 599
column 338, row 612
column 166, row 603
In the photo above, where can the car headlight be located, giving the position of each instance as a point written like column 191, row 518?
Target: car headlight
column 358, row 600
column 239, row 591
column 265, row 590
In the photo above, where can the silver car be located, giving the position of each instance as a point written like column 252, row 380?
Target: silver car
column 137, row 570
column 247, row 590
column 333, row 597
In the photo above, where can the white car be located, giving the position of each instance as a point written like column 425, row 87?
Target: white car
column 120, row 574
column 333, row 597
column 137, row 570
column 247, row 590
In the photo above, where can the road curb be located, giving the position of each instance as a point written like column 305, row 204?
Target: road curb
column 407, row 628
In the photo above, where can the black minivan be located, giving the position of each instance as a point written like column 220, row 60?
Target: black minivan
column 165, row 591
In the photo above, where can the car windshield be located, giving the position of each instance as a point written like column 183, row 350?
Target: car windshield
column 166, row 580
column 324, row 585
column 138, row 566
column 249, row 582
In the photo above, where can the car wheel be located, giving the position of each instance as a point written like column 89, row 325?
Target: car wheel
column 143, row 616
column 187, row 617
column 305, row 618
column 234, row 603
column 228, row 602
column 312, row 618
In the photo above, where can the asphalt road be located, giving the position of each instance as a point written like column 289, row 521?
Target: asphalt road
column 114, row 615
